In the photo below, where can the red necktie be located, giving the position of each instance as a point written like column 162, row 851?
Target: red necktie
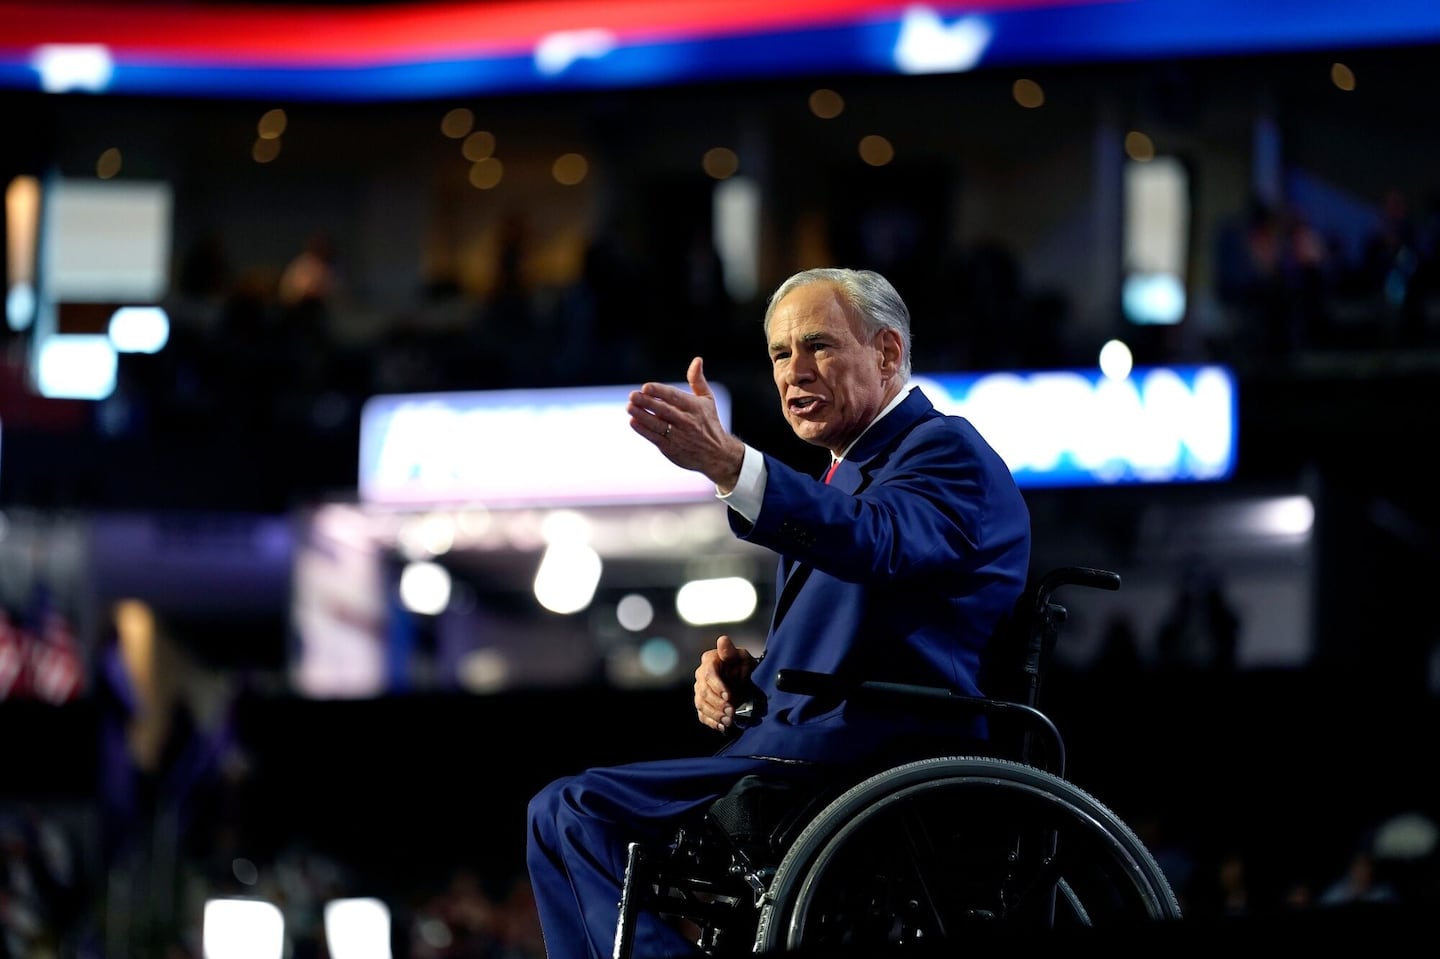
column 832, row 470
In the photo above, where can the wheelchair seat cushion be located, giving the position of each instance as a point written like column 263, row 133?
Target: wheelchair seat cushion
column 758, row 809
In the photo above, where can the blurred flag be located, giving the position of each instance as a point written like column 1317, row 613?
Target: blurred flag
column 14, row 660
column 56, row 667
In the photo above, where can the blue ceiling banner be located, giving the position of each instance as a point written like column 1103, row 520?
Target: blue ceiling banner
column 374, row 52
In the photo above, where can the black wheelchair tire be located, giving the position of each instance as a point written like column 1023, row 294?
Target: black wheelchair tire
column 1094, row 870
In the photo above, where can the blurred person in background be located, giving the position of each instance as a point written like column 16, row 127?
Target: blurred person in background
column 310, row 278
column 898, row 565
column 1201, row 628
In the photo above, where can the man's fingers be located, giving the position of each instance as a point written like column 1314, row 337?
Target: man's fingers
column 719, row 692
column 709, row 681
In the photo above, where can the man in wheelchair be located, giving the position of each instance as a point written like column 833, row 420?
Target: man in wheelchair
column 898, row 565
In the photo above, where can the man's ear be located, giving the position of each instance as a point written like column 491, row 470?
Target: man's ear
column 890, row 346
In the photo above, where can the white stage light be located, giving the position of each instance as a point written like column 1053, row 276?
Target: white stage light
column 357, row 929
column 728, row 599
column 242, row 929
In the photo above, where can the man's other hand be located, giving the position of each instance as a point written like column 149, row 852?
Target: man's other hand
column 722, row 672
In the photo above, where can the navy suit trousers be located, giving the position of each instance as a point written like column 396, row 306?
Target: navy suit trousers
column 580, row 828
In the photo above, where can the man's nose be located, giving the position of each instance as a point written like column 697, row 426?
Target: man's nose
column 800, row 369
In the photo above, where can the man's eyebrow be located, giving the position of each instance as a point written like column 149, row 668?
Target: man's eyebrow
column 778, row 345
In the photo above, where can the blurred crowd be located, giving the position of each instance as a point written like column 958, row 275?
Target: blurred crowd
column 1294, row 286
column 267, row 369
column 49, row 909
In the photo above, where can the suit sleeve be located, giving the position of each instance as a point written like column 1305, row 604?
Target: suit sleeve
column 941, row 498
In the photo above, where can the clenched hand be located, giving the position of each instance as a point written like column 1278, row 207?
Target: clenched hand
column 722, row 673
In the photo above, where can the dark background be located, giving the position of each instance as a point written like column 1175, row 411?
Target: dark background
column 251, row 413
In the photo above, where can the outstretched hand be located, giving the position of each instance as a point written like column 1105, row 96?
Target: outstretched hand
column 722, row 672
column 686, row 427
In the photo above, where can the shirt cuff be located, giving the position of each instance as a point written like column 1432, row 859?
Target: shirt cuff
column 749, row 491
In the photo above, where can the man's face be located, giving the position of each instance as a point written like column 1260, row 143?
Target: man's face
column 832, row 382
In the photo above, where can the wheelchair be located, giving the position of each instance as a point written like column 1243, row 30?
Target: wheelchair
column 981, row 838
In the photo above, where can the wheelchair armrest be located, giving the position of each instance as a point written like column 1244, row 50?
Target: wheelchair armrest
column 931, row 700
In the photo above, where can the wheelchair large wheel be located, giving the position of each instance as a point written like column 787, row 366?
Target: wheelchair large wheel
column 945, row 848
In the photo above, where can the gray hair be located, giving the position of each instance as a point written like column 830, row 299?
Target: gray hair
column 867, row 295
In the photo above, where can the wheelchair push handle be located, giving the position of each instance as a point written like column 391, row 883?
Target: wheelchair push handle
column 1043, row 620
column 1074, row 576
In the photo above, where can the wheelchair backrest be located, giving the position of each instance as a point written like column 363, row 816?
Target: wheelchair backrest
column 1019, row 655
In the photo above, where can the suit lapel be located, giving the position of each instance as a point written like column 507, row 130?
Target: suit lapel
column 847, row 476
column 851, row 477
column 795, row 578
column 854, row 474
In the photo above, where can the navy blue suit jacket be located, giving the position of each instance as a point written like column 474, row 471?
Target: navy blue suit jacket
column 900, row 570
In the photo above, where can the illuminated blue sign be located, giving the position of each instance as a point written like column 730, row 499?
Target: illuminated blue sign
column 512, row 448
column 1173, row 424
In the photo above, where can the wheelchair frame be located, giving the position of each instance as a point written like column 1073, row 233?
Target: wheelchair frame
column 919, row 853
